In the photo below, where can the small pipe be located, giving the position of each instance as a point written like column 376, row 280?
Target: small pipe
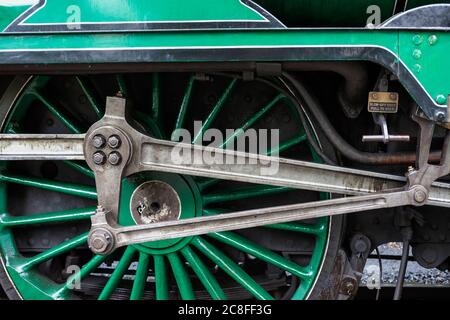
column 341, row 144
column 407, row 235
column 352, row 94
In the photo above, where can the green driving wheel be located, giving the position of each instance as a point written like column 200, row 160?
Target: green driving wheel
column 46, row 205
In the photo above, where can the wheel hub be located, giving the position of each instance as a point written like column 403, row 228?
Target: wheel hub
column 151, row 197
column 155, row 201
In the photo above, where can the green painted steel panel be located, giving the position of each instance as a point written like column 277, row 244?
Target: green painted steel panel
column 9, row 13
column 55, row 11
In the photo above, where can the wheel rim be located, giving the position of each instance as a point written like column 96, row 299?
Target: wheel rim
column 172, row 263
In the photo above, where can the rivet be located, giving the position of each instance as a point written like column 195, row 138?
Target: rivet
column 417, row 54
column 440, row 116
column 441, row 99
column 417, row 39
column 417, row 68
column 432, row 39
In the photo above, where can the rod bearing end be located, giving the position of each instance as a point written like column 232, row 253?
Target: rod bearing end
column 101, row 241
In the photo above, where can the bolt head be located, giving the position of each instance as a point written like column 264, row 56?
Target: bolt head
column 440, row 116
column 417, row 39
column 100, row 241
column 98, row 141
column 114, row 158
column 114, row 142
column 420, row 196
column 99, row 158
column 417, row 54
column 432, row 39
column 441, row 99
column 99, row 244
column 417, row 68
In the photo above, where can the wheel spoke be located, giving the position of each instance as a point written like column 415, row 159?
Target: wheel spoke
column 231, row 268
column 243, row 194
column 215, row 111
column 57, row 186
column 181, row 277
column 55, row 251
column 313, row 229
column 89, row 93
column 80, row 168
column 118, row 273
column 57, row 113
column 252, row 120
column 184, row 106
column 49, row 217
column 161, row 282
column 203, row 274
column 156, row 92
column 244, row 245
column 122, row 85
column 86, row 270
column 287, row 144
column 140, row 280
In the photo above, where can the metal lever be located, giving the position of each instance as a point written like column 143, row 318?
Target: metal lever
column 385, row 137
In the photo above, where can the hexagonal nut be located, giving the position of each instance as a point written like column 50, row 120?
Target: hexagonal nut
column 98, row 141
column 99, row 158
column 114, row 158
column 114, row 141
column 100, row 241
